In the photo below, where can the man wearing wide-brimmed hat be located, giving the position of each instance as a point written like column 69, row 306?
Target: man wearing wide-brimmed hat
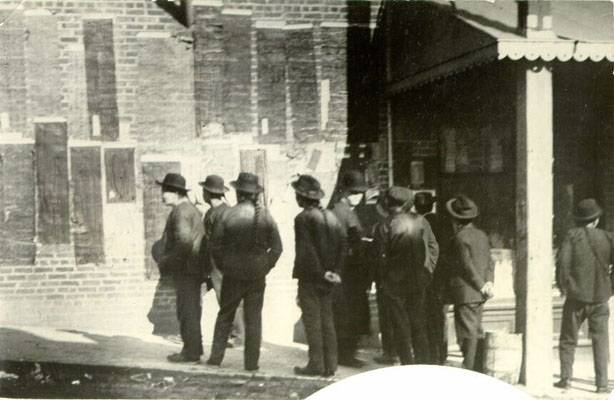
column 182, row 239
column 214, row 192
column 321, row 247
column 583, row 275
column 470, row 275
column 351, row 305
column 245, row 245
column 437, row 310
column 404, row 276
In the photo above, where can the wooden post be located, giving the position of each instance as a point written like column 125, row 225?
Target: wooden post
column 534, row 204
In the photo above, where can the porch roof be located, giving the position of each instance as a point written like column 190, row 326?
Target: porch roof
column 580, row 30
column 487, row 31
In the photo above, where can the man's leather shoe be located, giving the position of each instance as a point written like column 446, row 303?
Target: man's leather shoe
column 563, row 384
column 328, row 374
column 352, row 363
column 602, row 389
column 252, row 369
column 180, row 358
column 214, row 363
column 306, row 371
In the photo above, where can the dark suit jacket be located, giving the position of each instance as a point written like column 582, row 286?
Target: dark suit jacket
column 353, row 228
column 244, row 250
column 468, row 265
column 182, row 239
column 212, row 216
column 402, row 253
column 321, row 245
column 582, row 270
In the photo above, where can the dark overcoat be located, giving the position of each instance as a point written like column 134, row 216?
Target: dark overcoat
column 583, row 265
column 468, row 265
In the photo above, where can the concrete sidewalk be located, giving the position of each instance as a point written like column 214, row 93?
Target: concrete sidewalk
column 136, row 350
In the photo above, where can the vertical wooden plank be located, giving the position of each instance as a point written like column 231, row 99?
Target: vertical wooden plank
column 12, row 69
column 271, row 84
column 155, row 212
column 237, row 72
column 208, row 64
column 120, row 177
column 100, row 75
column 17, row 204
column 334, row 66
column 534, row 207
column 52, row 181
column 159, row 58
column 43, row 72
column 254, row 161
column 87, row 218
column 303, row 82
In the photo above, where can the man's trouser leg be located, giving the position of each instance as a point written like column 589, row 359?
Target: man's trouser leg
column 468, row 325
column 232, row 292
column 237, row 324
column 346, row 336
column 599, row 314
column 396, row 304
column 385, row 325
column 416, row 309
column 312, row 320
column 189, row 312
column 437, row 332
column 573, row 316
column 253, row 301
column 329, row 335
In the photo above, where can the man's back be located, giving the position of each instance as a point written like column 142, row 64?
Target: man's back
column 401, row 247
column 583, row 264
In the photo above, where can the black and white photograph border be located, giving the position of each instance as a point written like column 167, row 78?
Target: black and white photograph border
column 339, row 129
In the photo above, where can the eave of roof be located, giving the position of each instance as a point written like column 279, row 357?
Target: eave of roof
column 569, row 39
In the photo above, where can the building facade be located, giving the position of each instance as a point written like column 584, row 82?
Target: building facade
column 98, row 99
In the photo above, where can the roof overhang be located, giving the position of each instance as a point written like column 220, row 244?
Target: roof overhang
column 498, row 40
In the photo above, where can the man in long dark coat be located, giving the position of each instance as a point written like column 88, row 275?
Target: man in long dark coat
column 320, row 253
column 182, row 237
column 470, row 275
column 583, row 276
column 351, row 305
column 405, row 274
column 436, row 310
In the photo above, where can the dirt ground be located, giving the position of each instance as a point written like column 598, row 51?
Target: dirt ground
column 33, row 380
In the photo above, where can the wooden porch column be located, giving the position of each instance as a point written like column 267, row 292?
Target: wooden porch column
column 534, row 210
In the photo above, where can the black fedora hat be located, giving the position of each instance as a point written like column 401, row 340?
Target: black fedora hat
column 462, row 207
column 173, row 181
column 214, row 184
column 354, row 182
column 424, row 199
column 247, row 182
column 308, row 187
column 587, row 210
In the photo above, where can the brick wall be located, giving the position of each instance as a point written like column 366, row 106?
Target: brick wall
column 193, row 97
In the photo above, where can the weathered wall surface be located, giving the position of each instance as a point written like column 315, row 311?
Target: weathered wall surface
column 249, row 83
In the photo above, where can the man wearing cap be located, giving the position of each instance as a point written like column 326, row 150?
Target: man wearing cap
column 436, row 310
column 320, row 252
column 214, row 194
column 583, row 276
column 182, row 239
column 470, row 275
column 350, row 303
column 245, row 245
column 404, row 274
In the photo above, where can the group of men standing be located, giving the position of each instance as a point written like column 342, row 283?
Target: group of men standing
column 231, row 250
column 421, row 262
